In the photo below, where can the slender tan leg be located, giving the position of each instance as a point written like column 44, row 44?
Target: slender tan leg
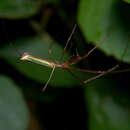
column 76, row 77
column 87, row 54
column 94, row 77
column 68, row 40
column 44, row 88
column 98, row 76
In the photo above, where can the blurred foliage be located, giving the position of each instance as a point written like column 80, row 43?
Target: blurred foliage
column 17, row 8
column 108, row 106
column 110, row 18
column 127, row 1
column 36, row 26
column 13, row 110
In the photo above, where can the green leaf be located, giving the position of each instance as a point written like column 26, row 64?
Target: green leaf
column 106, row 19
column 108, row 105
column 128, row 1
column 13, row 110
column 38, row 47
column 17, row 8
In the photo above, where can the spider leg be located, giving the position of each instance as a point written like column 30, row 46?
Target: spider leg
column 79, row 58
column 88, row 53
column 50, row 50
column 94, row 77
column 68, row 40
column 97, row 72
column 10, row 43
column 76, row 77
column 99, row 75
column 44, row 88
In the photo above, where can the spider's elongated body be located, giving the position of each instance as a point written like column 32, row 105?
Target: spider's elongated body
column 50, row 64
column 28, row 57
